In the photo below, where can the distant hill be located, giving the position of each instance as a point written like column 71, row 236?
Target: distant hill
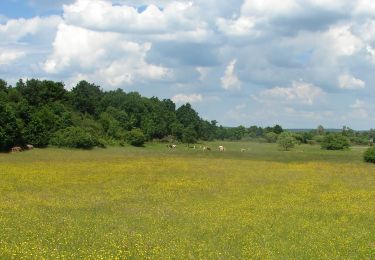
column 300, row 130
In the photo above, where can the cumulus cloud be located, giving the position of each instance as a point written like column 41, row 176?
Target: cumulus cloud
column 174, row 21
column 238, row 27
column 299, row 92
column 211, row 47
column 15, row 29
column 344, row 42
column 230, row 80
column 8, row 56
column 365, row 7
column 347, row 81
column 187, row 98
column 109, row 56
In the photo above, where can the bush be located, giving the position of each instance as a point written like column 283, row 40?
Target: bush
column 74, row 137
column 271, row 137
column 318, row 139
column 135, row 137
column 286, row 141
column 335, row 141
column 369, row 155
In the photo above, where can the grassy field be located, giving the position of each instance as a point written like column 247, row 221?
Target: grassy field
column 187, row 204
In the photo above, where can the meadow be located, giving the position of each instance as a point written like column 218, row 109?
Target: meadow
column 156, row 203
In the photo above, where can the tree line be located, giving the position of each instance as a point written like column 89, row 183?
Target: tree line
column 44, row 112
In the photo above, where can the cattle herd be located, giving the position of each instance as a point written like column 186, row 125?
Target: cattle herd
column 221, row 148
column 18, row 149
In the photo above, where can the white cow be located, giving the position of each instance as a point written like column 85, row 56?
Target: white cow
column 243, row 150
column 172, row 146
column 221, row 148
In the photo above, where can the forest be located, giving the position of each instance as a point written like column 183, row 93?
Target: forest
column 44, row 112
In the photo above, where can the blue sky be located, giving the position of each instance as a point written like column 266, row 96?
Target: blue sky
column 298, row 63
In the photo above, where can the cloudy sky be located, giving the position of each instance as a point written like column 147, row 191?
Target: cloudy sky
column 298, row 63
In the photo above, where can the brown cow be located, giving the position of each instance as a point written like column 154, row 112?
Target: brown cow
column 206, row 148
column 16, row 149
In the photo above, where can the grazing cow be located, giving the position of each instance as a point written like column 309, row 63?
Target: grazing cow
column 171, row 146
column 30, row 147
column 243, row 150
column 206, row 148
column 221, row 148
column 16, row 149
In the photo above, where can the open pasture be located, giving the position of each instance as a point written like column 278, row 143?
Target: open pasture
column 160, row 203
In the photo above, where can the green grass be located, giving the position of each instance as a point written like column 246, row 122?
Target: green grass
column 162, row 204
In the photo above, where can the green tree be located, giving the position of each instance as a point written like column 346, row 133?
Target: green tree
column 177, row 130
column 9, row 128
column 277, row 129
column 110, row 125
column 335, row 141
column 188, row 117
column 189, row 135
column 239, row 132
column 86, row 97
column 286, row 141
column 320, row 130
column 36, row 133
column 3, row 85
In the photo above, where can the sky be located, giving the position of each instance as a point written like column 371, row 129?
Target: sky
column 298, row 63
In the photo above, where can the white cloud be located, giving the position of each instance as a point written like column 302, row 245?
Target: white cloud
column 15, row 29
column 270, row 7
column 347, row 81
column 8, row 56
column 299, row 93
column 203, row 72
column 343, row 41
column 175, row 17
column 364, row 7
column 358, row 104
column 361, row 110
column 187, row 98
column 242, row 26
column 230, row 80
column 194, row 46
column 103, row 56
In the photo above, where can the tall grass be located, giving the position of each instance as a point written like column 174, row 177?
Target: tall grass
column 162, row 204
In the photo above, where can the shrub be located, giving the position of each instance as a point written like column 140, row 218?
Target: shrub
column 271, row 137
column 74, row 137
column 335, row 141
column 286, row 141
column 135, row 137
column 369, row 155
column 318, row 139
